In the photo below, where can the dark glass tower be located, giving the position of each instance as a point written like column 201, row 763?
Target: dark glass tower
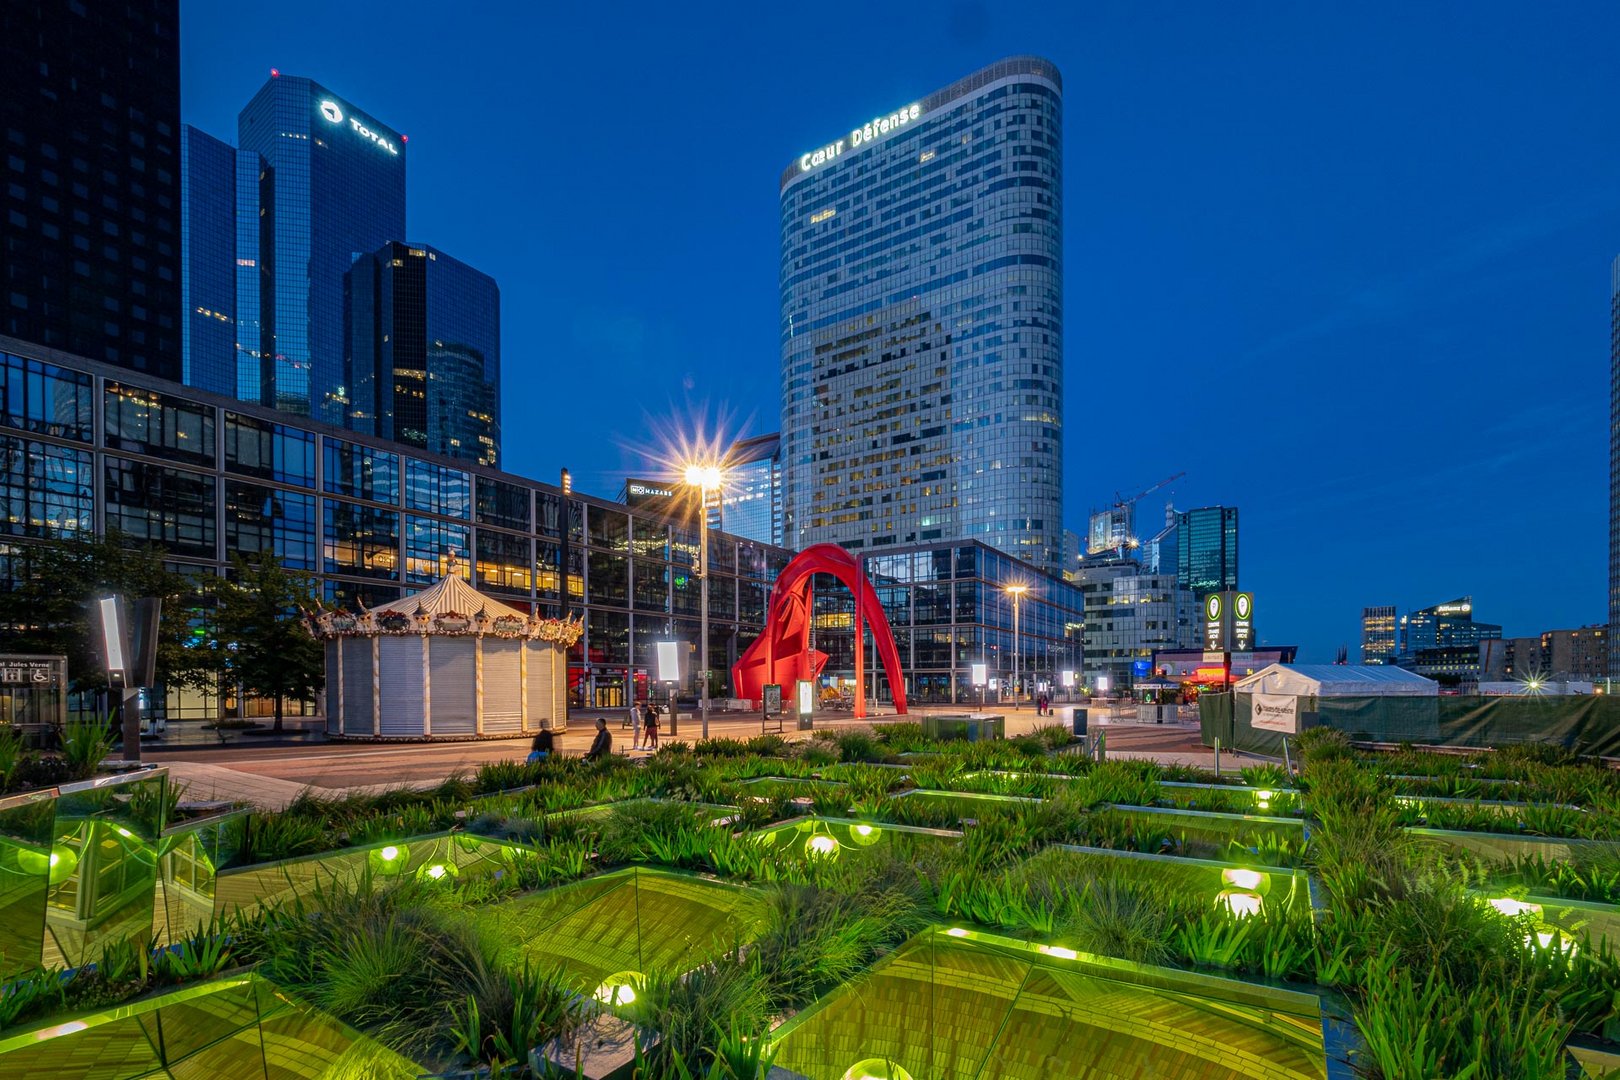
column 1207, row 549
column 331, row 185
column 424, row 358
column 922, row 322
column 90, row 261
column 1614, row 467
column 208, row 307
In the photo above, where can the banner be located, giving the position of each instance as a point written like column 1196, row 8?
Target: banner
column 1275, row 712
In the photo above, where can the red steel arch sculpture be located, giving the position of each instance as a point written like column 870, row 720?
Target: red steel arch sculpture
column 782, row 654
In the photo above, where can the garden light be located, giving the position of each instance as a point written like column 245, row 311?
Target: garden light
column 1245, row 880
column 618, row 989
column 390, row 859
column 437, row 871
column 57, row 866
column 1241, row 904
column 821, row 844
column 1511, row 907
column 1060, row 952
column 956, row 931
column 876, row 1069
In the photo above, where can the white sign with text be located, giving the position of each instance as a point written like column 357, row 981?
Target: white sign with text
column 1275, row 712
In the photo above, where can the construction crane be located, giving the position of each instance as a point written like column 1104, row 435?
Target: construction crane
column 1122, row 515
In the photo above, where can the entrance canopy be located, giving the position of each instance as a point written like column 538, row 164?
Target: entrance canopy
column 1337, row 680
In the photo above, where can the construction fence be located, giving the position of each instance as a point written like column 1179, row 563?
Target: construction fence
column 1588, row 724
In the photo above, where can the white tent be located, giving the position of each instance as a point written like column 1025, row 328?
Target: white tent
column 1337, row 680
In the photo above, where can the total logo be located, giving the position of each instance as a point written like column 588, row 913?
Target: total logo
column 334, row 115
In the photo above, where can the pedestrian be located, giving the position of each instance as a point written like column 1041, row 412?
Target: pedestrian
column 652, row 726
column 603, row 744
column 542, row 747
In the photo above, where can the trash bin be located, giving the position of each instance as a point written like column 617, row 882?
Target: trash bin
column 1077, row 722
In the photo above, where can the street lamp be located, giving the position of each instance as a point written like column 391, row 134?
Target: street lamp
column 705, row 478
column 1017, row 593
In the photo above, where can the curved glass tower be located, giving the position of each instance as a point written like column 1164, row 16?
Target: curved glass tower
column 922, row 322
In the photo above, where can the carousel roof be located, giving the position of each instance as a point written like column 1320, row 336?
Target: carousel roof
column 449, row 596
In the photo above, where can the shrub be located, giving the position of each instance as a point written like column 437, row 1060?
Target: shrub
column 86, row 742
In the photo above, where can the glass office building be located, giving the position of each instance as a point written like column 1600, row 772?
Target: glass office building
column 90, row 214
column 331, row 184
column 750, row 504
column 1207, row 549
column 89, row 448
column 423, row 363
column 1378, row 634
column 1614, row 464
column 922, row 323
column 208, row 266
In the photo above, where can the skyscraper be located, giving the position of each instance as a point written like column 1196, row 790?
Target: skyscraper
column 90, row 259
column 423, row 364
column 922, row 322
column 1207, row 549
column 750, row 504
column 1614, row 465
column 331, row 185
column 208, row 266
column 1378, row 634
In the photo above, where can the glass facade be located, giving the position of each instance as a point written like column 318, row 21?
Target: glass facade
column 1207, row 549
column 423, row 354
column 1131, row 614
column 1378, row 634
column 948, row 607
column 1614, row 465
column 922, row 323
column 750, row 504
column 90, row 214
column 208, row 263
column 205, row 478
column 331, row 183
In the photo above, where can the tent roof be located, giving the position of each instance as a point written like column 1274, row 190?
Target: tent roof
column 449, row 595
column 1337, row 680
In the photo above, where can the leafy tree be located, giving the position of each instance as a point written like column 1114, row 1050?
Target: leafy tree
column 265, row 644
column 49, row 608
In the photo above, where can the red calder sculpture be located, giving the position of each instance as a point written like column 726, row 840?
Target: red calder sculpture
column 782, row 654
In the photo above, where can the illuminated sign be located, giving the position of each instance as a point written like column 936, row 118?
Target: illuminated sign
column 980, row 673
column 333, row 114
column 873, row 129
column 648, row 490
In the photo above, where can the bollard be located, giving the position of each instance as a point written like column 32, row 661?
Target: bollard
column 1217, row 757
column 1102, row 746
column 1288, row 761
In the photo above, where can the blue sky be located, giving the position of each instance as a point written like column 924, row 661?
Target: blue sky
column 1347, row 266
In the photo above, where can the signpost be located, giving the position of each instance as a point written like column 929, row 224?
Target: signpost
column 771, row 705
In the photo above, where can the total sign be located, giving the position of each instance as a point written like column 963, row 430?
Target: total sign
column 332, row 113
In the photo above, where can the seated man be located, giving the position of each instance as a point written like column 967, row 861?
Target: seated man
column 603, row 745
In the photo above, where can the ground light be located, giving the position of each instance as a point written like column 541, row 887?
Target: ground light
column 1241, row 904
column 1507, row 905
column 1252, row 881
column 437, row 871
column 1263, row 799
column 1060, row 952
column 618, row 989
column 956, row 931
column 821, row 844
column 390, row 859
column 865, row 835
column 876, row 1069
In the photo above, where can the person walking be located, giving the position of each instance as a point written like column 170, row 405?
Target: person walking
column 602, row 746
column 542, row 748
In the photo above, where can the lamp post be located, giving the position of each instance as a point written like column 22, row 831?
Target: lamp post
column 704, row 478
column 1017, row 593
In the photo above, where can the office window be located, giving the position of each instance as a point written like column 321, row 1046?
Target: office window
column 361, row 541
column 146, row 422
column 151, row 503
column 45, row 399
column 263, row 519
column 608, row 529
column 505, row 562
column 430, row 546
column 435, row 489
column 610, row 579
column 503, row 504
column 269, row 451
column 361, row 472
column 48, row 491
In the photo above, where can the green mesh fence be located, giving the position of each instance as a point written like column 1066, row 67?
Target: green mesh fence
column 1589, row 724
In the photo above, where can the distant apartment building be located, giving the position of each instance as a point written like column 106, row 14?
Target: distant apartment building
column 1581, row 655
column 1510, row 659
column 1129, row 616
column 1378, row 645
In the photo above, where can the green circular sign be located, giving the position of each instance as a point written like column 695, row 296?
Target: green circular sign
column 1212, row 606
column 1242, row 605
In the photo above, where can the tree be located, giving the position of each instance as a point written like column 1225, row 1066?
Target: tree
column 264, row 642
column 48, row 609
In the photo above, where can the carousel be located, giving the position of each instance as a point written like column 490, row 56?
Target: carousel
column 447, row 662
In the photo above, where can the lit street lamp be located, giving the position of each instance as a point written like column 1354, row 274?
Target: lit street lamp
column 1017, row 593
column 705, row 478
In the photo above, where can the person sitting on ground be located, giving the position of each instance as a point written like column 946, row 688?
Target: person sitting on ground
column 603, row 745
column 542, row 747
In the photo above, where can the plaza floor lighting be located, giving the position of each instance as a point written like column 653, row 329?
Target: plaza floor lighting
column 705, row 478
column 1017, row 593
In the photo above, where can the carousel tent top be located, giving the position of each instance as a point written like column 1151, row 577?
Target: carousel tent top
column 449, row 596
